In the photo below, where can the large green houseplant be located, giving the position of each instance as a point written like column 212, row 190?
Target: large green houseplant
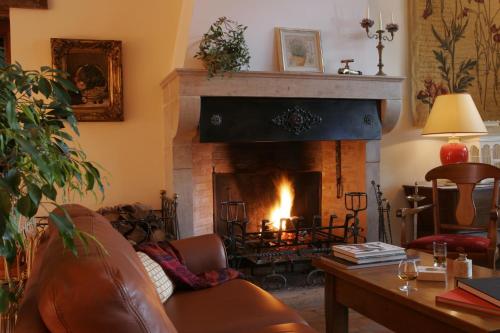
column 40, row 164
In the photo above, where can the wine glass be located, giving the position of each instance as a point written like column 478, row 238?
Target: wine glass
column 407, row 271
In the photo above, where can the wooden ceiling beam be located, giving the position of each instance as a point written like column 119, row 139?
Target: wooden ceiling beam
column 31, row 4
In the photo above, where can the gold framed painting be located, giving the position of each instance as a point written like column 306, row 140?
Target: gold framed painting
column 95, row 67
column 299, row 50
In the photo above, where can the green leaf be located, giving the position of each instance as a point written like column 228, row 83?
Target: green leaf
column 35, row 193
column 26, row 207
column 28, row 112
column 45, row 87
column 4, row 298
column 73, row 123
column 5, row 204
column 65, row 136
column 31, row 150
column 67, row 84
column 10, row 110
column 61, row 93
column 90, row 181
column 13, row 180
column 49, row 191
column 63, row 223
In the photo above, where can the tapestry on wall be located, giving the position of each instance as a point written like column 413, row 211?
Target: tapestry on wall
column 455, row 49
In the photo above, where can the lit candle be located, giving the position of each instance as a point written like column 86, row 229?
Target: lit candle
column 368, row 12
column 380, row 24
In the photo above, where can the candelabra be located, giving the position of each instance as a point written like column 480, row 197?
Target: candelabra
column 381, row 36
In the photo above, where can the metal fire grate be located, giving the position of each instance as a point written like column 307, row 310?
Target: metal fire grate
column 293, row 241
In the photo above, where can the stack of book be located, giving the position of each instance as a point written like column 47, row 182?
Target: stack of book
column 477, row 294
column 352, row 256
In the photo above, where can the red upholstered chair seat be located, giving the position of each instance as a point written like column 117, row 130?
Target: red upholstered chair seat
column 454, row 243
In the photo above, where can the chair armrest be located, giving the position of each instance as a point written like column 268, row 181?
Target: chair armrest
column 202, row 253
column 404, row 212
column 494, row 214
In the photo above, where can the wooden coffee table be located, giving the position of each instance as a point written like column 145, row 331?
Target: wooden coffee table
column 374, row 293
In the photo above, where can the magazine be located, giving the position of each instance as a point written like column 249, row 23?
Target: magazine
column 350, row 265
column 370, row 259
column 366, row 250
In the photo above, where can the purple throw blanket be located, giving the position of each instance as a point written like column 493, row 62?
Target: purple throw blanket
column 169, row 259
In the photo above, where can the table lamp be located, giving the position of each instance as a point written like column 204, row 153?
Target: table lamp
column 454, row 116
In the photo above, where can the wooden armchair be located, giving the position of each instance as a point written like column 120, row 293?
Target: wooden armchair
column 459, row 237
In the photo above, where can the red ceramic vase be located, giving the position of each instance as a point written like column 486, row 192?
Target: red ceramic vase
column 454, row 152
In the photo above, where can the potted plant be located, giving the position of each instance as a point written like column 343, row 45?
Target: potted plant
column 223, row 48
column 40, row 166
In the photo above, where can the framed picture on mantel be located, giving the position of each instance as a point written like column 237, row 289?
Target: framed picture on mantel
column 299, row 50
column 95, row 67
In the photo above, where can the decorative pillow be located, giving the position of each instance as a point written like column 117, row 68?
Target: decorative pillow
column 163, row 284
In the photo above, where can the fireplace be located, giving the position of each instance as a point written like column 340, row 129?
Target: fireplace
column 266, row 195
column 235, row 139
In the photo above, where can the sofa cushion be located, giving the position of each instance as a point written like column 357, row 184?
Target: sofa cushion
column 212, row 258
column 454, row 243
column 232, row 307
column 162, row 283
column 104, row 289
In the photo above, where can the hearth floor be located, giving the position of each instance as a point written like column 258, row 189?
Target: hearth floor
column 309, row 303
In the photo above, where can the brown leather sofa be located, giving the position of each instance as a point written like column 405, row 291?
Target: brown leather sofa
column 106, row 289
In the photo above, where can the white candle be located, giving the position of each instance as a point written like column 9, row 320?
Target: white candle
column 380, row 24
column 368, row 12
column 392, row 17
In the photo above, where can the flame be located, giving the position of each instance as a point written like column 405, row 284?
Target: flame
column 283, row 208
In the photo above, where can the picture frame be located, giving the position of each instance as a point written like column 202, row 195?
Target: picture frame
column 299, row 50
column 95, row 67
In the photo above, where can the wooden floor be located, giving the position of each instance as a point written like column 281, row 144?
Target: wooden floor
column 308, row 301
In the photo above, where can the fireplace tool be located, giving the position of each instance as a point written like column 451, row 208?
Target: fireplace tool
column 355, row 202
column 415, row 198
column 338, row 167
column 384, row 210
column 234, row 214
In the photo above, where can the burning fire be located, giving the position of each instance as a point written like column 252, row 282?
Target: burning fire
column 283, row 208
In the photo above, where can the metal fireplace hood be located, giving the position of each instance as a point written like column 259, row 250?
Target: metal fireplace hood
column 277, row 119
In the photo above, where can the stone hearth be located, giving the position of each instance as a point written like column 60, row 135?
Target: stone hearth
column 195, row 162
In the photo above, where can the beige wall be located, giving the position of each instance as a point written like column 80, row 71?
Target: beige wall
column 405, row 154
column 131, row 151
column 155, row 39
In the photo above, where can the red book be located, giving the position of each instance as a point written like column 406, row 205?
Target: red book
column 465, row 299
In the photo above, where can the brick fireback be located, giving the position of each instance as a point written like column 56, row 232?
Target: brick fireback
column 260, row 157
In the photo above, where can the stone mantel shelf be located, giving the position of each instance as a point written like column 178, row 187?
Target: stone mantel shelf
column 286, row 75
column 194, row 82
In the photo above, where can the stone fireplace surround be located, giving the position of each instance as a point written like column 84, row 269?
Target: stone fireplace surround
column 193, row 162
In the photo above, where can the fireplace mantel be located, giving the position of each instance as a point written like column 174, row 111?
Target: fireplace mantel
column 194, row 82
column 390, row 88
column 183, row 88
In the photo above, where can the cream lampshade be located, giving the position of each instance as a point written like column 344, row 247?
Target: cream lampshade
column 454, row 116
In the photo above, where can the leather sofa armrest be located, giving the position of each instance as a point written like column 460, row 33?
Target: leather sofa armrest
column 285, row 328
column 202, row 253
